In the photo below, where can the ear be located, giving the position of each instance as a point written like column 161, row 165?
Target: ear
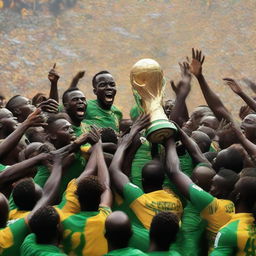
column 17, row 111
column 1, row 125
column 52, row 136
column 95, row 91
column 65, row 105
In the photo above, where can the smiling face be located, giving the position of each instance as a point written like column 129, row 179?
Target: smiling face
column 105, row 90
column 75, row 106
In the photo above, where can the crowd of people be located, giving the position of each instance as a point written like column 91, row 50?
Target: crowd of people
column 78, row 179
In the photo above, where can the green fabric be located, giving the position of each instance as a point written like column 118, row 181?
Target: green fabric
column 188, row 242
column 126, row 251
column 74, row 171
column 170, row 253
column 19, row 231
column 95, row 115
column 226, row 241
column 131, row 192
column 79, row 130
column 2, row 167
column 140, row 238
column 31, row 248
column 135, row 112
column 199, row 198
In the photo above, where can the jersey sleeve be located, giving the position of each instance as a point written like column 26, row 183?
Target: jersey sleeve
column 226, row 241
column 42, row 175
column 131, row 192
column 199, row 198
column 69, row 202
column 104, row 210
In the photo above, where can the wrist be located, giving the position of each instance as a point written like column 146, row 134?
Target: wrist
column 200, row 76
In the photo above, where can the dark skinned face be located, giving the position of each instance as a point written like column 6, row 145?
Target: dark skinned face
column 61, row 133
column 105, row 90
column 248, row 126
column 7, row 121
column 217, row 186
column 76, row 106
column 23, row 108
column 168, row 107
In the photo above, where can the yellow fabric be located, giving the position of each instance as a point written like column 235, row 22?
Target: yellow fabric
column 148, row 205
column 17, row 214
column 217, row 213
column 6, row 239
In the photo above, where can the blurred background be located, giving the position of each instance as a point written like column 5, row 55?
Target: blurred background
column 113, row 34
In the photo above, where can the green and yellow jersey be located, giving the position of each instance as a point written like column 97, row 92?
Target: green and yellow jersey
column 146, row 206
column 126, row 251
column 12, row 237
column 170, row 253
column 79, row 130
column 31, row 248
column 238, row 237
column 217, row 212
column 83, row 233
column 95, row 115
column 17, row 214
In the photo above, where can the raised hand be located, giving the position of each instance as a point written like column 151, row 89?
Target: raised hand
column 53, row 76
column 233, row 85
column 80, row 74
column 195, row 66
column 185, row 73
column 36, row 119
column 50, row 105
column 141, row 122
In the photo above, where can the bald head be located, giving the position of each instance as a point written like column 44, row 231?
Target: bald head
column 202, row 140
column 118, row 230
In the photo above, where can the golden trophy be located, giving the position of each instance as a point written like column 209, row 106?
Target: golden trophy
column 148, row 83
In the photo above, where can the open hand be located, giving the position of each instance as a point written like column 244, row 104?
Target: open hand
column 195, row 66
column 233, row 85
column 50, row 106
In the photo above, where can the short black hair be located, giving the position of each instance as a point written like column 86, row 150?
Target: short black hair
column 89, row 191
column 54, row 117
column 64, row 96
column 9, row 105
column 108, row 135
column 24, row 194
column 99, row 73
column 230, row 176
column 164, row 228
column 44, row 223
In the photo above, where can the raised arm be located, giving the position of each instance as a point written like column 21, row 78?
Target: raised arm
column 181, row 180
column 192, row 148
column 103, row 176
column 118, row 178
column 235, row 87
column 76, row 79
column 179, row 113
column 53, row 78
column 34, row 119
column 21, row 169
column 211, row 98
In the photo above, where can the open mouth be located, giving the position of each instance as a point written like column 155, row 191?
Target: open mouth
column 109, row 97
column 80, row 111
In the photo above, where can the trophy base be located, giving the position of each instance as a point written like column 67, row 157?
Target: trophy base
column 159, row 130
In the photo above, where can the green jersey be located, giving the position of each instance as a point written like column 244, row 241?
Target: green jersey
column 12, row 237
column 238, row 237
column 74, row 171
column 31, row 248
column 170, row 253
column 79, row 130
column 83, row 233
column 2, row 167
column 95, row 115
column 126, row 251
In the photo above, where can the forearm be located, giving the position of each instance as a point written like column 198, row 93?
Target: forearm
column 248, row 100
column 20, row 170
column 212, row 99
column 74, row 82
column 54, row 91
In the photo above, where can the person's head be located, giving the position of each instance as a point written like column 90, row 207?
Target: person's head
column 226, row 137
column 210, row 156
column 248, row 172
column 89, row 191
column 223, row 183
column 118, row 230
column 26, row 194
column 248, row 126
column 4, row 211
column 230, row 158
column 20, row 106
column 8, row 123
column 108, row 135
column 125, row 125
column 163, row 230
column 152, row 176
column 168, row 106
column 202, row 140
column 104, row 87
column 75, row 104
column 59, row 130
column 196, row 116
column 244, row 195
column 45, row 223
column 38, row 98
column 210, row 121
column 207, row 130
column 202, row 176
